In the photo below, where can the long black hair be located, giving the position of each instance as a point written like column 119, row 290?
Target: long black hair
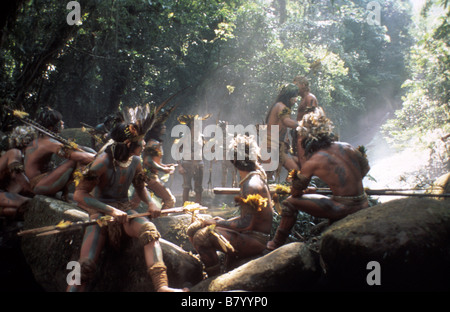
column 49, row 118
column 119, row 150
column 310, row 146
column 287, row 92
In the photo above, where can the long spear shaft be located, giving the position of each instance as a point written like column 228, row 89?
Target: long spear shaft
column 327, row 191
column 43, row 130
column 69, row 226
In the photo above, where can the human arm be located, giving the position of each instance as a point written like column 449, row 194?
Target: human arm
column 284, row 116
column 83, row 192
column 240, row 224
column 143, row 194
column 67, row 152
column 150, row 162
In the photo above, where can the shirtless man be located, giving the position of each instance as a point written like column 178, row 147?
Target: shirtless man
column 338, row 164
column 248, row 233
column 104, row 191
column 192, row 170
column 279, row 115
column 152, row 161
column 308, row 104
column 308, row 100
column 44, row 180
column 14, row 183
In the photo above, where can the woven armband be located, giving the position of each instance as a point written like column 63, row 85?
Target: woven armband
column 15, row 167
column 299, row 182
column 64, row 152
column 139, row 179
column 285, row 112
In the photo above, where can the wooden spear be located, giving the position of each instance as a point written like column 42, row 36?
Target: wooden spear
column 64, row 226
column 327, row 191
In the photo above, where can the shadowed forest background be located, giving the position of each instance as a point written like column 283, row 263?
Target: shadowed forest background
column 388, row 81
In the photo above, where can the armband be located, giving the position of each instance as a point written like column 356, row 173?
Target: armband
column 285, row 112
column 299, row 182
column 64, row 152
column 15, row 167
column 139, row 179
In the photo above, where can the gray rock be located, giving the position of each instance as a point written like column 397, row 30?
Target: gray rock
column 292, row 267
column 409, row 239
column 48, row 256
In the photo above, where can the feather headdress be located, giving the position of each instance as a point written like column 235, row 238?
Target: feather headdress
column 139, row 120
column 315, row 125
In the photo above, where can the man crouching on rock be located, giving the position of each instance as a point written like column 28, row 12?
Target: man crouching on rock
column 338, row 164
column 108, row 178
column 246, row 235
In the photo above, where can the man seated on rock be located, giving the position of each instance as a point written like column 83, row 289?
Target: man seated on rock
column 44, row 179
column 103, row 191
column 338, row 164
column 15, row 188
column 246, row 235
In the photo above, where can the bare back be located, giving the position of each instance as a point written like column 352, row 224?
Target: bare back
column 307, row 102
column 38, row 156
column 340, row 166
column 262, row 221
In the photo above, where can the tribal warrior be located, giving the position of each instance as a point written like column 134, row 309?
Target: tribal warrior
column 14, row 184
column 152, row 162
column 192, row 169
column 246, row 235
column 103, row 190
column 279, row 115
column 44, row 179
column 337, row 164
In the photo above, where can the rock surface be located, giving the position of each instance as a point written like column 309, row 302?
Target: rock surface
column 48, row 256
column 409, row 240
column 293, row 267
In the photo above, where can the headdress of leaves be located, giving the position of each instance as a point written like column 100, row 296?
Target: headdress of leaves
column 246, row 143
column 315, row 125
column 21, row 136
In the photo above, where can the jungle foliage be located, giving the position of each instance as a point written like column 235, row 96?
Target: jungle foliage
column 229, row 58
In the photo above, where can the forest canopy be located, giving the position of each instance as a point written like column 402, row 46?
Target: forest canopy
column 229, row 59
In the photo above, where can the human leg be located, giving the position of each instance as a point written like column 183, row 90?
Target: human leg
column 11, row 204
column 55, row 180
column 93, row 241
column 198, row 183
column 149, row 236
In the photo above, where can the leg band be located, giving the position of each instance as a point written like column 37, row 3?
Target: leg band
column 148, row 233
column 158, row 274
column 193, row 228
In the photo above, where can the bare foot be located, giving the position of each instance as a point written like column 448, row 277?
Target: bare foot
column 168, row 289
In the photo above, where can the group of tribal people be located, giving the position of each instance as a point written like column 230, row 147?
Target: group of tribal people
column 133, row 157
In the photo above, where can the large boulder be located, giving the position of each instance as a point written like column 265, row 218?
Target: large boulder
column 293, row 267
column 403, row 244
column 124, row 270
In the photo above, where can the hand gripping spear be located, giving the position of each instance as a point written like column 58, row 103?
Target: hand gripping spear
column 65, row 226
